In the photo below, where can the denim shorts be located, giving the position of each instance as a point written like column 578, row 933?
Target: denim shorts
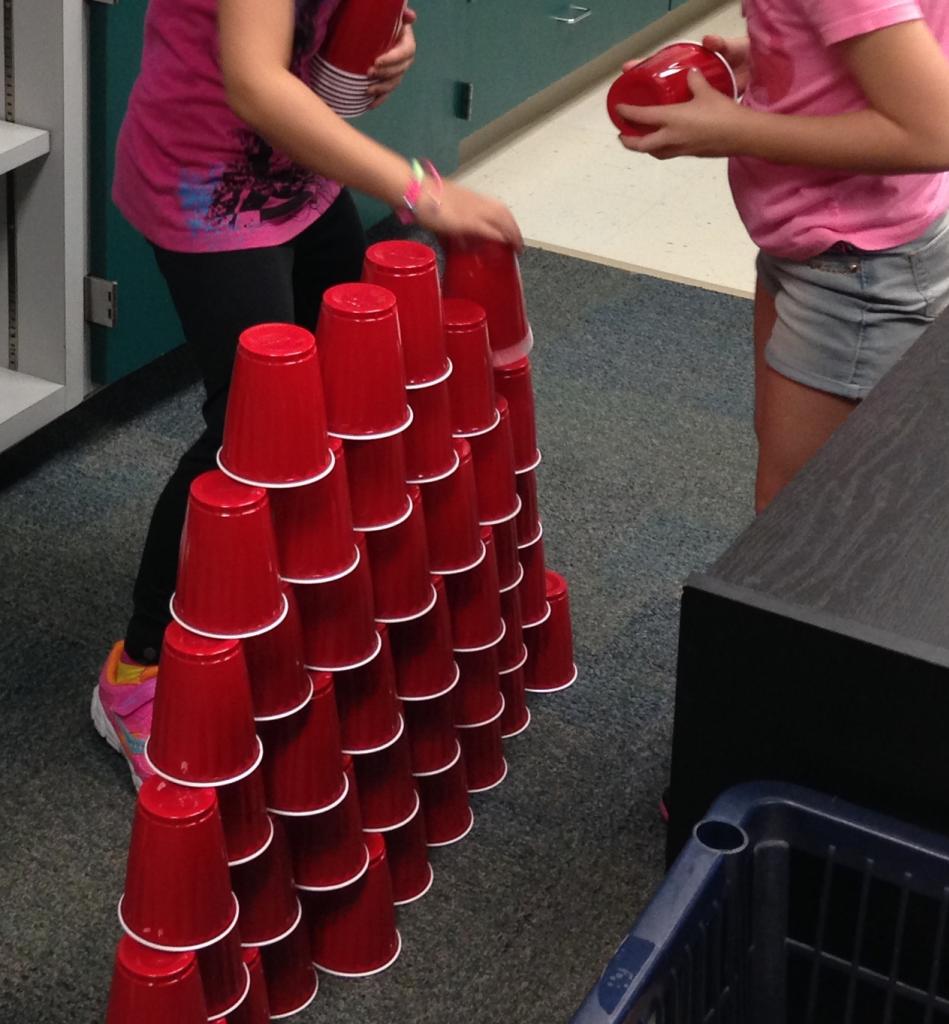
column 846, row 316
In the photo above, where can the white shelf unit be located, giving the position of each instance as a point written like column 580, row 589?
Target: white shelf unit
column 44, row 365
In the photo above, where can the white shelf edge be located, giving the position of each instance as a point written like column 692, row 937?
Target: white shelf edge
column 19, row 145
column 26, row 404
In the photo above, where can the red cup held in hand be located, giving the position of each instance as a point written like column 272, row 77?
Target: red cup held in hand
column 150, row 987
column 662, row 78
column 275, row 425
column 228, row 585
column 360, row 32
column 177, row 886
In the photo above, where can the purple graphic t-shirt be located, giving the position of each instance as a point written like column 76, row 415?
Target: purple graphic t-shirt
column 189, row 174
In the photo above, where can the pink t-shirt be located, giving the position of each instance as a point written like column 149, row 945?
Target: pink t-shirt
column 189, row 174
column 797, row 212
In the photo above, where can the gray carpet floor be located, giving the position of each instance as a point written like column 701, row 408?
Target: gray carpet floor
column 644, row 417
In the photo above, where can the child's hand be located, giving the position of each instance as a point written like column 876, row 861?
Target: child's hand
column 389, row 69
column 463, row 212
column 736, row 52
column 705, row 126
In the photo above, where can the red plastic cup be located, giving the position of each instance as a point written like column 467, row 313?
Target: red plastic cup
column 475, row 602
column 493, row 455
column 507, row 555
column 513, row 381
column 517, row 715
column 410, row 271
column 511, row 651
column 292, row 981
column 377, row 477
column 313, row 525
column 302, row 767
column 429, row 452
column 353, row 931
column 471, row 384
column 398, row 560
column 275, row 425
column 327, row 848
column 243, row 807
column 412, row 875
column 361, row 358
column 387, row 796
column 279, row 683
column 446, row 805
column 430, row 725
column 451, row 517
column 360, row 32
column 528, row 525
column 150, row 987
column 270, row 909
column 663, row 78
column 228, row 585
column 487, row 273
column 339, row 631
column 421, row 650
column 254, row 1009
column 550, row 664
column 533, row 588
column 483, row 752
column 477, row 698
column 203, row 719
column 367, row 704
column 225, row 979
column 177, row 888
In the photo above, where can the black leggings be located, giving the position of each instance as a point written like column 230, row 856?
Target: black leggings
column 216, row 296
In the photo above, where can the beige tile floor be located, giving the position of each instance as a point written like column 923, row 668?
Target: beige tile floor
column 594, row 199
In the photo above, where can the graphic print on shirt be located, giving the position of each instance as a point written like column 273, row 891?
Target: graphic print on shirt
column 261, row 185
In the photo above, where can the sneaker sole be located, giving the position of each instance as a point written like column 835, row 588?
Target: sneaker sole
column 105, row 729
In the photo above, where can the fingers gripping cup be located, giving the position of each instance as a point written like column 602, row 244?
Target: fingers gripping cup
column 487, row 273
column 387, row 794
column 302, row 768
column 493, row 455
column 471, row 384
column 377, row 476
column 663, row 78
column 353, row 931
column 550, row 666
column 410, row 271
column 398, row 560
column 475, row 602
column 368, row 707
column 451, row 516
column 412, row 875
column 225, row 979
column 429, row 452
column 275, row 424
column 228, row 585
column 254, row 1009
column 279, row 683
column 270, row 909
column 361, row 358
column 151, row 987
column 446, row 804
column 203, row 729
column 292, row 981
column 514, row 383
column 313, row 525
column 177, row 887
column 421, row 649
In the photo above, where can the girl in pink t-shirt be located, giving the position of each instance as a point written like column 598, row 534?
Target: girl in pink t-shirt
column 837, row 153
column 234, row 170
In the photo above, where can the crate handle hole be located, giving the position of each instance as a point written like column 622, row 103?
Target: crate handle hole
column 721, row 836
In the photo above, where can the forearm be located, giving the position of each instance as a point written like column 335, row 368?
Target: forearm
column 283, row 110
column 861, row 142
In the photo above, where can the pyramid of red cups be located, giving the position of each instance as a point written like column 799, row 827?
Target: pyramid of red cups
column 362, row 602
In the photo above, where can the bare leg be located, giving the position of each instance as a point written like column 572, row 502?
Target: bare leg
column 792, row 421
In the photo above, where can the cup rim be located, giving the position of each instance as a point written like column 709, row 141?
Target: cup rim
column 319, row 59
column 312, row 812
column 483, row 430
column 230, row 636
column 179, row 949
column 464, row 568
column 378, row 435
column 507, row 518
column 257, row 853
column 530, row 543
column 283, row 935
column 494, row 785
column 439, row 476
column 356, row 664
column 302, row 1006
column 235, row 1005
column 556, row 689
column 286, row 485
column 520, row 664
column 338, row 885
column 401, row 824
column 395, row 522
column 375, row 750
column 487, row 721
column 516, row 583
column 364, row 974
column 518, row 731
column 695, row 42
column 433, row 600
column 484, row 647
column 420, row 385
column 458, row 838
column 541, row 620
column 440, row 771
column 441, row 693
column 538, row 458
column 326, row 579
column 418, row 896
column 293, row 711
column 204, row 785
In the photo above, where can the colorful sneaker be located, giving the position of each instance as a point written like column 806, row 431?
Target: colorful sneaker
column 122, row 709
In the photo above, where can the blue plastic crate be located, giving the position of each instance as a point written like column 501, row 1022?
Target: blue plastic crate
column 787, row 907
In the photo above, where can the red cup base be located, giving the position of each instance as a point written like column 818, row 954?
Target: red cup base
column 366, row 974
